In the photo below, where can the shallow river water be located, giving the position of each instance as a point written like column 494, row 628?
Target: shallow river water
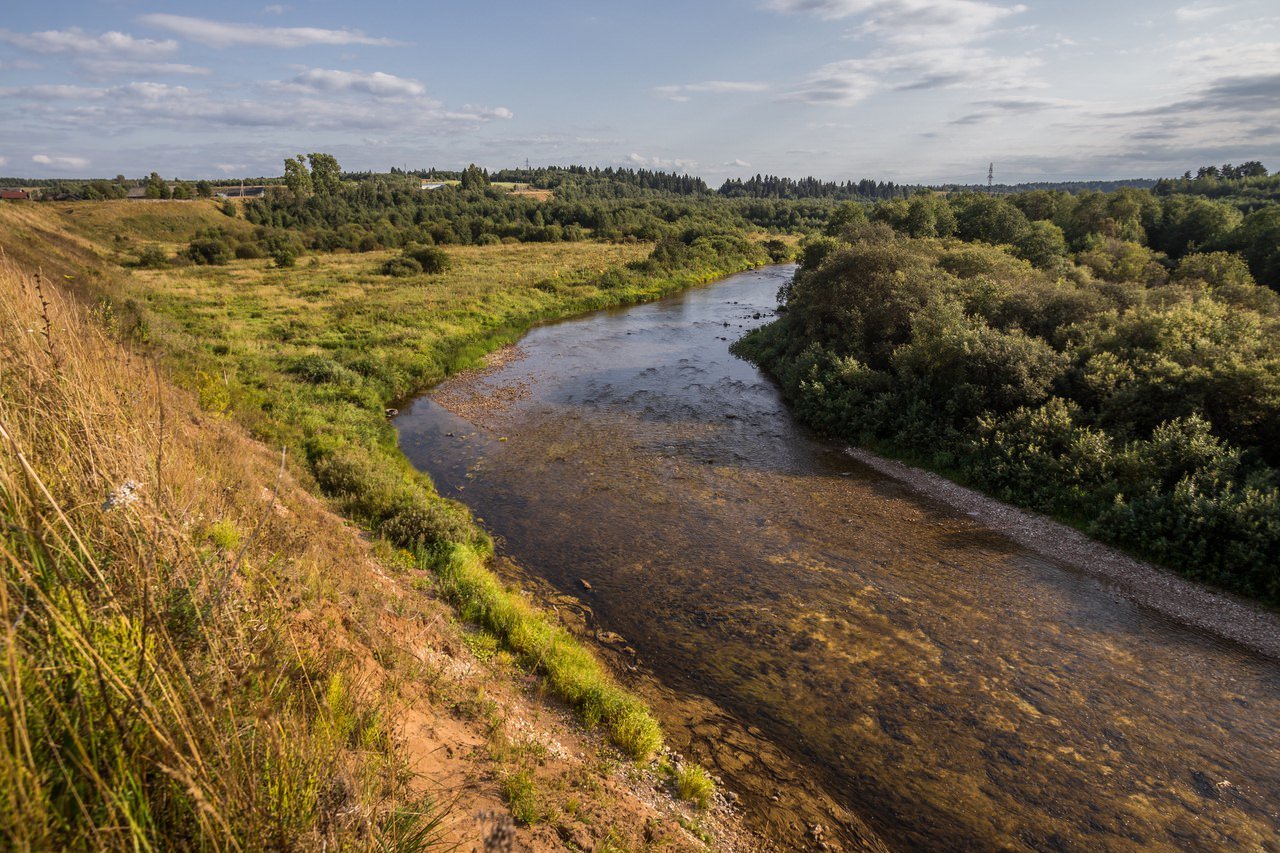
column 947, row 686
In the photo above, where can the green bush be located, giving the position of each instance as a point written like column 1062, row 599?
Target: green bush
column 426, row 523
column 401, row 267
column 153, row 257
column 430, row 259
column 318, row 369
column 1147, row 412
column 208, row 251
column 285, row 256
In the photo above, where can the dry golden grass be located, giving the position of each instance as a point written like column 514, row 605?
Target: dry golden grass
column 153, row 692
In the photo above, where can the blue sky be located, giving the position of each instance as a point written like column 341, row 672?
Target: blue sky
column 906, row 90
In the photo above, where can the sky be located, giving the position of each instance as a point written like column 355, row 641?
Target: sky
column 914, row 91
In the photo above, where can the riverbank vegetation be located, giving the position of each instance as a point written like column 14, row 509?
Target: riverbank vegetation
column 1044, row 349
column 307, row 345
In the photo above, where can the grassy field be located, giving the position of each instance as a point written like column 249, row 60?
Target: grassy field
column 322, row 348
column 309, row 357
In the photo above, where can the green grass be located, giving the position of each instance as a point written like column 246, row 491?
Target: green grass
column 572, row 672
column 310, row 357
column 521, row 791
column 694, row 785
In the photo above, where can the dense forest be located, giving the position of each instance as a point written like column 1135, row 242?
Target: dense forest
column 1110, row 359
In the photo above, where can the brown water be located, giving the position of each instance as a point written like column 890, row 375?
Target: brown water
column 948, row 686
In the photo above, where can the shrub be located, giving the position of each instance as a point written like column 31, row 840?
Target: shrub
column 249, row 251
column 521, row 792
column 426, row 523
column 318, row 369
column 208, row 251
column 401, row 267
column 430, row 259
column 779, row 252
column 153, row 258
column 285, row 256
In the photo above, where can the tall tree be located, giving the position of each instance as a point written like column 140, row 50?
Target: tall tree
column 296, row 176
column 474, row 178
column 326, row 174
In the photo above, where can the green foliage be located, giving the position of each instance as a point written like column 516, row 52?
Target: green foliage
column 694, row 785
column 573, row 674
column 1143, row 410
column 474, row 178
column 285, row 256
column 326, row 174
column 431, row 259
column 208, row 251
column 153, row 257
column 521, row 792
column 401, row 267
column 296, row 176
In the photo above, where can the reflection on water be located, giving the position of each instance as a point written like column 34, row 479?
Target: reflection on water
column 951, row 688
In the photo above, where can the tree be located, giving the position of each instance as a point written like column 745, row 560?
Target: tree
column 326, row 174
column 990, row 219
column 474, row 178
column 1259, row 242
column 296, row 176
column 156, row 187
column 1042, row 243
column 845, row 216
column 930, row 215
column 204, row 189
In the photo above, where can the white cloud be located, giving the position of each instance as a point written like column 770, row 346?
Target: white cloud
column 99, row 68
column 76, row 40
column 471, row 114
column 1197, row 12
column 852, row 81
column 918, row 22
column 4, row 161
column 276, row 9
column 924, row 44
column 229, row 168
column 286, row 105
column 738, row 163
column 684, row 92
column 837, row 84
column 377, row 83
column 60, row 162
column 675, row 164
column 221, row 34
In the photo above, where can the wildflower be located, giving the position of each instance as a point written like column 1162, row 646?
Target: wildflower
column 122, row 496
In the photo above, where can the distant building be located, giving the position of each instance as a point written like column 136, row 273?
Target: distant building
column 241, row 192
column 136, row 193
column 16, row 195
column 432, row 185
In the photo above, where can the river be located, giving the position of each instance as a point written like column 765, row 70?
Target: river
column 911, row 669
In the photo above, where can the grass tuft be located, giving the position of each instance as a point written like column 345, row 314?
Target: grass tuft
column 572, row 672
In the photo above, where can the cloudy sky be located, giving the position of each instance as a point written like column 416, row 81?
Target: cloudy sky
column 907, row 90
